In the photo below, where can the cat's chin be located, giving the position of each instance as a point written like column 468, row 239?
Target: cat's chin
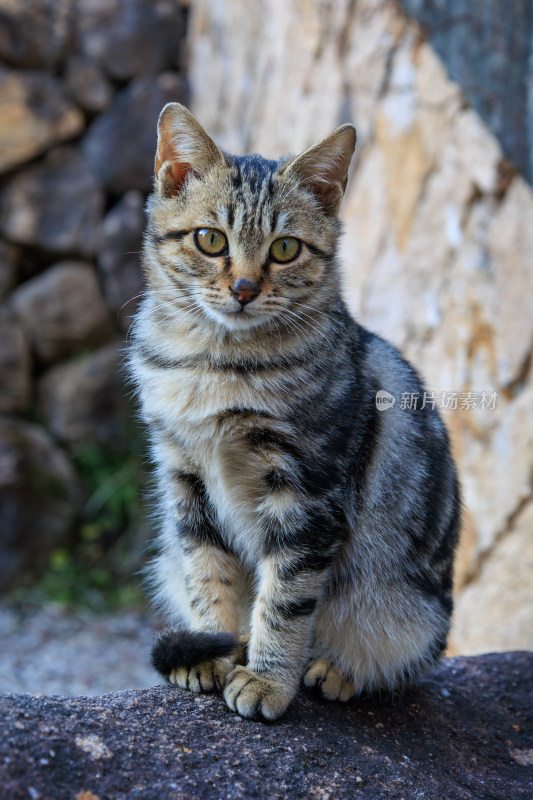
column 235, row 321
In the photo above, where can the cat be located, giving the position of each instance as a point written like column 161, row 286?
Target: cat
column 305, row 533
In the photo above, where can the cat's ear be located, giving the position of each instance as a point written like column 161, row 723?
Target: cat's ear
column 323, row 168
column 183, row 146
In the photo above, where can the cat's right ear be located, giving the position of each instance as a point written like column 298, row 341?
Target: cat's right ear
column 183, row 147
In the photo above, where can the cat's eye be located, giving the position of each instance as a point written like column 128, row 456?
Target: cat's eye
column 211, row 241
column 286, row 249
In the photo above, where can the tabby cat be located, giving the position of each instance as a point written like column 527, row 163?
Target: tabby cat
column 295, row 514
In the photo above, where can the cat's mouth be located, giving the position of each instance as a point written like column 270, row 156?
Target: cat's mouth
column 235, row 318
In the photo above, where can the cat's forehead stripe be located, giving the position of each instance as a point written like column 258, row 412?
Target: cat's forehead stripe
column 250, row 209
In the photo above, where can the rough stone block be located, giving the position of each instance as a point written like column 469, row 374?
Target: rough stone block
column 120, row 145
column 119, row 258
column 15, row 365
column 462, row 734
column 39, row 500
column 54, row 206
column 62, row 311
column 84, row 399
column 34, row 33
column 35, row 116
column 130, row 37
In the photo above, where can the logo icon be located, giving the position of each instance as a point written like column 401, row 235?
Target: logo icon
column 384, row 400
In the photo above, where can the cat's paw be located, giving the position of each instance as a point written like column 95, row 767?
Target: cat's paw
column 327, row 679
column 204, row 677
column 255, row 696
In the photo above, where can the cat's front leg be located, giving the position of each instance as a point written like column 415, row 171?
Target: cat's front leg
column 211, row 581
column 282, row 623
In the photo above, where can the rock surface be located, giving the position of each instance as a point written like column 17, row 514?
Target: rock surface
column 121, row 143
column 15, row 365
column 62, row 311
column 54, row 206
column 83, row 400
column 487, row 46
column 120, row 255
column 52, row 649
column 35, row 115
column 33, row 33
column 127, row 38
column 39, row 499
column 72, row 73
column 463, row 734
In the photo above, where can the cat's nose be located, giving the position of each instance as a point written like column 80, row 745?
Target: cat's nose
column 244, row 291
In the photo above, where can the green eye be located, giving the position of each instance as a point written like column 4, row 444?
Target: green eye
column 211, row 241
column 286, row 249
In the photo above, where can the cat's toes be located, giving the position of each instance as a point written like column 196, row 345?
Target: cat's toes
column 254, row 696
column 204, row 677
column 327, row 679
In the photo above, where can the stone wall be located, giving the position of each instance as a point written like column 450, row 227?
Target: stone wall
column 81, row 85
column 437, row 249
column 487, row 47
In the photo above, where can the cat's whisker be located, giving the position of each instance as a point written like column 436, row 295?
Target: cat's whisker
column 307, row 326
column 300, row 314
column 271, row 322
column 306, row 335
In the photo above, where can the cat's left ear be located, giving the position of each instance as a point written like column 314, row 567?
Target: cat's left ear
column 323, row 168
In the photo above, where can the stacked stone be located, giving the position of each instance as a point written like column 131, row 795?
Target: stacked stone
column 81, row 85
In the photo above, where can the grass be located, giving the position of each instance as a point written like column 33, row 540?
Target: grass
column 99, row 569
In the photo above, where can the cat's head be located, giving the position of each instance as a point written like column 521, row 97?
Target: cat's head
column 243, row 240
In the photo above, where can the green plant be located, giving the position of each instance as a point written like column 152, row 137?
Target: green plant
column 98, row 570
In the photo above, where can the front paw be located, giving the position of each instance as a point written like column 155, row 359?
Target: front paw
column 204, row 677
column 254, row 696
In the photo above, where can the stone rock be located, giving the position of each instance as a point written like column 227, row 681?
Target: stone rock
column 87, row 84
column 496, row 468
column 59, row 649
column 119, row 257
column 8, row 268
column 475, row 41
column 33, row 33
column 462, row 734
column 509, row 247
column 494, row 610
column 130, row 37
column 35, row 116
column 39, row 500
column 120, row 145
column 63, row 311
column 84, row 400
column 407, row 166
column 15, row 365
column 54, row 206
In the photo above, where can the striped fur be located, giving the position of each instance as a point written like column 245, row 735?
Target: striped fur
column 291, row 510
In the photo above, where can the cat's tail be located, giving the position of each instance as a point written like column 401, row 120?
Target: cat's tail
column 178, row 648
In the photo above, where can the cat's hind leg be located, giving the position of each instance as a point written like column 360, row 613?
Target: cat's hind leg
column 323, row 675
column 374, row 641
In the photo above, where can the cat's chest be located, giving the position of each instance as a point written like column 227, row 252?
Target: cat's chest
column 210, row 416
column 197, row 398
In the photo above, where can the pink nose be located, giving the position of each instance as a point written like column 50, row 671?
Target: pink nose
column 244, row 291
